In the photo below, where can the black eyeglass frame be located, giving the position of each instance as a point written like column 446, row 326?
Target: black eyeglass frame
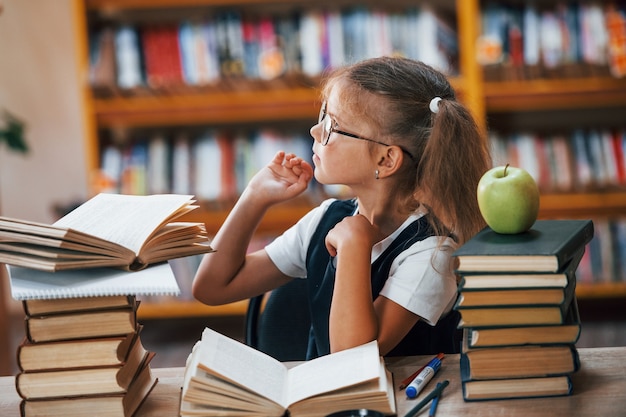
column 327, row 129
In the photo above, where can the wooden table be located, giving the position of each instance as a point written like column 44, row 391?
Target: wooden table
column 599, row 390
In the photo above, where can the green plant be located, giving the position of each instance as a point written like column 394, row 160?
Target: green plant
column 13, row 133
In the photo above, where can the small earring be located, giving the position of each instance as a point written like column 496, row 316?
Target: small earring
column 376, row 174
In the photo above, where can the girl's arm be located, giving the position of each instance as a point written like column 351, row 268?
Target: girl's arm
column 354, row 319
column 228, row 274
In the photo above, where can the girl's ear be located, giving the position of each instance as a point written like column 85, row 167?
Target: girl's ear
column 390, row 160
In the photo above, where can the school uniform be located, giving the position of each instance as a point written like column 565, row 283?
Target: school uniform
column 408, row 267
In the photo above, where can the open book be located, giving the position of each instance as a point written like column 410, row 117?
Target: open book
column 227, row 378
column 109, row 230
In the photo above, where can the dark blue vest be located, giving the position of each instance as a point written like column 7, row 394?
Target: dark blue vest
column 423, row 339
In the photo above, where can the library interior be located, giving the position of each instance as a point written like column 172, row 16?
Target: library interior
column 192, row 97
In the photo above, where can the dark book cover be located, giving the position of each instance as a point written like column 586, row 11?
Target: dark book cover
column 546, row 247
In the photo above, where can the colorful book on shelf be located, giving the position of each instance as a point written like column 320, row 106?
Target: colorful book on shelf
column 115, row 379
column 518, row 361
column 82, row 353
column 546, row 247
column 109, row 230
column 566, row 333
column 107, row 405
column 162, row 55
column 225, row 377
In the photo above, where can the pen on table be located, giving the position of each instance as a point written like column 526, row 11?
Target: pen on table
column 433, row 405
column 434, row 393
column 410, row 378
column 420, row 381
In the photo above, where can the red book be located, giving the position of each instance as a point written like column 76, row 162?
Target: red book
column 162, row 55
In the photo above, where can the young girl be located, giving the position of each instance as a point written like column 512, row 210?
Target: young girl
column 379, row 266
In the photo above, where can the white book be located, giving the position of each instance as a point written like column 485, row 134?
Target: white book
column 208, row 167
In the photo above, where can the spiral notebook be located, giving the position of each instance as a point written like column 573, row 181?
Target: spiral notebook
column 32, row 284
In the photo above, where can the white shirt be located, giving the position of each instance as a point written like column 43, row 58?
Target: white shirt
column 421, row 278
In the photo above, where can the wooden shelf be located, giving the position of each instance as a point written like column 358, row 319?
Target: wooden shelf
column 601, row 290
column 508, row 96
column 266, row 105
column 596, row 204
column 181, row 309
column 277, row 219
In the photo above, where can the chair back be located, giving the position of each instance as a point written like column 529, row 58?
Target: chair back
column 281, row 327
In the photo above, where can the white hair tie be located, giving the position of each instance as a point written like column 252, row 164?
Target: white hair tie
column 434, row 104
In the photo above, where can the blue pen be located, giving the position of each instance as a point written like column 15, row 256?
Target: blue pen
column 433, row 405
column 420, row 381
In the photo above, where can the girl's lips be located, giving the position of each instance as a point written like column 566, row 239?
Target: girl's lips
column 316, row 158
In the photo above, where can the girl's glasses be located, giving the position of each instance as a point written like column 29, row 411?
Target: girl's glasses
column 328, row 129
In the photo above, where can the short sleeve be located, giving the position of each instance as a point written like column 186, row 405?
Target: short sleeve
column 288, row 251
column 421, row 279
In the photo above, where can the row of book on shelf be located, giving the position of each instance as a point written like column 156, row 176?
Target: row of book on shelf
column 219, row 45
column 519, row 312
column 215, row 165
column 554, row 39
column 583, row 159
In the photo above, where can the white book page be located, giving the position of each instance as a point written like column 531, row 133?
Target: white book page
column 242, row 365
column 332, row 372
column 128, row 220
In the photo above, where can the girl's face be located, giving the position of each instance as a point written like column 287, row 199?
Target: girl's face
column 346, row 158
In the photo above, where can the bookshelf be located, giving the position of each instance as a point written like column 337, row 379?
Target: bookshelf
column 568, row 88
column 292, row 100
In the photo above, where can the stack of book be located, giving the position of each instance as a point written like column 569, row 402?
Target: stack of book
column 519, row 312
column 82, row 352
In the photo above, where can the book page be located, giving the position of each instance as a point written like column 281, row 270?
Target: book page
column 331, row 372
column 242, row 365
column 128, row 220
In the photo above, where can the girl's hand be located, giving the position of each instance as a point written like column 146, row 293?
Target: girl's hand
column 285, row 177
column 351, row 233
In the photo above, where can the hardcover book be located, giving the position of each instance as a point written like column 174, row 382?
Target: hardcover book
column 106, row 405
column 566, row 333
column 519, row 361
column 109, row 230
column 227, row 378
column 491, row 281
column 546, row 247
column 503, row 389
column 83, row 325
column 40, row 307
column 515, row 297
column 114, row 379
column 513, row 316
column 83, row 353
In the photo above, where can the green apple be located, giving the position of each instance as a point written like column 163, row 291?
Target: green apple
column 508, row 199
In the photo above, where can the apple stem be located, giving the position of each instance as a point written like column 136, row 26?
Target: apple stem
column 505, row 167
